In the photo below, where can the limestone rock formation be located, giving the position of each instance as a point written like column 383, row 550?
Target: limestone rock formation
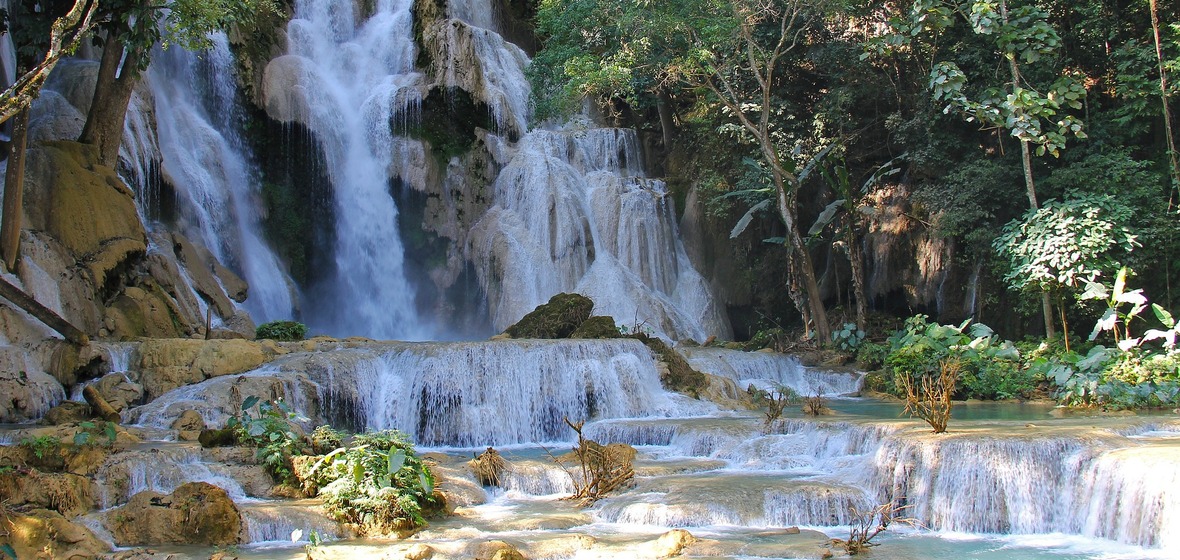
column 196, row 513
column 25, row 393
column 47, row 535
column 65, row 493
column 166, row 364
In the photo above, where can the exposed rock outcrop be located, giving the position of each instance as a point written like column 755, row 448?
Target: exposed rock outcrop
column 196, row 513
column 47, row 535
column 168, row 364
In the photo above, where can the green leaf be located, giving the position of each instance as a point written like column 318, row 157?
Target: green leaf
column 358, row 473
column 397, row 458
column 748, row 217
column 427, row 485
column 1163, row 315
column 8, row 551
column 249, row 402
column 1120, row 284
column 825, row 217
column 81, row 438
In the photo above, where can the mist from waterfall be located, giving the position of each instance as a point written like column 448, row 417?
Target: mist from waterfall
column 205, row 158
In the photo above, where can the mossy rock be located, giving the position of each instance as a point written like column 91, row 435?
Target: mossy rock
column 597, row 327
column 558, row 318
column 224, row 437
column 680, row 376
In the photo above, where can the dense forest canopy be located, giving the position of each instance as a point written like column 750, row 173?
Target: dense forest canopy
column 990, row 110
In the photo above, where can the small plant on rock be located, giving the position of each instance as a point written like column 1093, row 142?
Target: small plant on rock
column 848, row 338
column 776, row 400
column 377, row 484
column 284, row 331
column 867, row 525
column 815, row 405
column 41, row 446
column 274, row 432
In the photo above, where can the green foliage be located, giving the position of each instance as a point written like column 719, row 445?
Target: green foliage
column 273, row 430
column 848, row 337
column 987, row 366
column 1065, row 244
column 871, row 355
column 41, row 446
column 281, row 330
column 1138, row 371
column 90, row 433
column 776, row 399
column 377, row 483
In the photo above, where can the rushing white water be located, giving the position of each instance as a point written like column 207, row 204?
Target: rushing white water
column 161, row 470
column 495, row 393
column 207, row 161
column 762, row 368
column 573, row 213
column 346, row 75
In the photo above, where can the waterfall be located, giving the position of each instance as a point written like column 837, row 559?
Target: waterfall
column 206, row 159
column 476, row 394
column 346, row 76
column 573, row 213
column 761, row 368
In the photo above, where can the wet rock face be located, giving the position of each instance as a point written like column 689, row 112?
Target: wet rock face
column 196, row 513
column 25, row 395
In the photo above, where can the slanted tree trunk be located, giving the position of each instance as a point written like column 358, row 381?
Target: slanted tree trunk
column 112, row 94
column 14, row 188
column 63, row 37
column 667, row 123
column 42, row 313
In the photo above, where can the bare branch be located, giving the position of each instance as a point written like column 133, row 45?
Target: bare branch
column 64, row 35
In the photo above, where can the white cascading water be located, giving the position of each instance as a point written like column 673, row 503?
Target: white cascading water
column 491, row 393
column 346, row 78
column 782, row 369
column 574, row 214
column 207, row 161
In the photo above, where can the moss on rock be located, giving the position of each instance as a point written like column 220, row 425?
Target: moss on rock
column 558, row 318
column 597, row 327
column 679, row 376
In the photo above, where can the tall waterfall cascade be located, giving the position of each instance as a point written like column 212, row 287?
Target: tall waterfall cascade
column 566, row 209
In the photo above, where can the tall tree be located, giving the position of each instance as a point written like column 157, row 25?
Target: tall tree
column 60, row 39
column 130, row 29
column 1035, row 113
column 736, row 52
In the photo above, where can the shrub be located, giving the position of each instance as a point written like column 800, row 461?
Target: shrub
column 275, row 434
column 848, row 338
column 377, row 483
column 41, row 446
column 871, row 355
column 287, row 331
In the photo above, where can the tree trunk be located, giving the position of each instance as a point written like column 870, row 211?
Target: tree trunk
column 112, row 94
column 14, row 189
column 1173, row 157
column 42, row 313
column 667, row 124
column 815, row 302
column 856, row 262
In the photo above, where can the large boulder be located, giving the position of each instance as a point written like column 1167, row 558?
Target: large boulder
column 119, row 391
column 198, row 261
column 168, row 364
column 47, row 535
column 196, row 513
column 558, row 318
